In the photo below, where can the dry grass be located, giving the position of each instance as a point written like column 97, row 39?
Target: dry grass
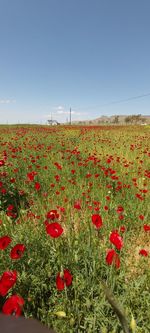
column 136, row 265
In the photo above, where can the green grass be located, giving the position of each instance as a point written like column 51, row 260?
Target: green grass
column 101, row 168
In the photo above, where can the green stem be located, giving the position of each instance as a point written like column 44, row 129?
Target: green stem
column 117, row 308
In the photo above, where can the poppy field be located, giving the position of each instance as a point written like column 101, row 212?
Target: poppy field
column 75, row 215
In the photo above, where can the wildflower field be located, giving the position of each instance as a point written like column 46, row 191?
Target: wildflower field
column 75, row 216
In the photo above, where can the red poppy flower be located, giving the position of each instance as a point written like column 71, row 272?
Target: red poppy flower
column 139, row 196
column 58, row 166
column 64, row 279
column 122, row 228
column 77, row 205
column 4, row 242
column 110, row 256
column 2, row 162
column 54, row 229
column 143, row 252
column 37, row 186
column 17, row 251
column 146, row 227
column 10, row 207
column 97, row 220
column 13, row 305
column 52, row 214
column 7, row 280
column 121, row 217
column 141, row 217
column 119, row 209
column 61, row 209
column 57, row 177
column 113, row 258
column 106, row 207
column 3, row 191
column 31, row 175
column 116, row 239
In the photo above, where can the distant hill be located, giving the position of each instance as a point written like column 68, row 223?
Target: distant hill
column 117, row 119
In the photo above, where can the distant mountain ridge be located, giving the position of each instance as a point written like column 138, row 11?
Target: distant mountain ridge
column 117, row 119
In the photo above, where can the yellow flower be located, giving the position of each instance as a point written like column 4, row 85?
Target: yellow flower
column 60, row 314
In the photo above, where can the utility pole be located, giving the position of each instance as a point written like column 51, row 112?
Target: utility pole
column 70, row 116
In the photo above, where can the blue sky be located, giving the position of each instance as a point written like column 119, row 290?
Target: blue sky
column 57, row 54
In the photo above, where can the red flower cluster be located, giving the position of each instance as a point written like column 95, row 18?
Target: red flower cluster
column 7, row 280
column 16, row 252
column 63, row 279
column 53, row 229
column 31, row 175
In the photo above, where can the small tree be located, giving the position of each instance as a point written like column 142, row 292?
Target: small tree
column 116, row 120
column 127, row 119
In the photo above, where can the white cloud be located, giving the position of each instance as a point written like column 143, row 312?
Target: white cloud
column 7, row 101
column 76, row 113
column 62, row 114
column 60, row 108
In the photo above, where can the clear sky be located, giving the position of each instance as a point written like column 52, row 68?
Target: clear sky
column 57, row 54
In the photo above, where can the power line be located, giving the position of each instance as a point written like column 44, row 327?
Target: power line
column 116, row 102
